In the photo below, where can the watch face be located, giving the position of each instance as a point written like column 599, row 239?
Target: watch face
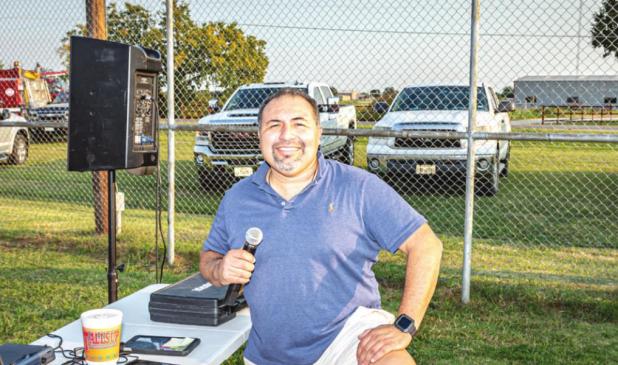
column 404, row 323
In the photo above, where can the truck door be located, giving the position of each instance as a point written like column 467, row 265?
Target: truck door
column 502, row 120
column 5, row 135
column 325, row 121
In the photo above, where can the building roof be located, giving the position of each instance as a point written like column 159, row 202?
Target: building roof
column 569, row 78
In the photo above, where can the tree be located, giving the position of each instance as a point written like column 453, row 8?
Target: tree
column 375, row 93
column 605, row 28
column 217, row 54
column 507, row 92
column 389, row 94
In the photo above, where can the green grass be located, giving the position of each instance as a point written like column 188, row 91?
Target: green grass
column 545, row 264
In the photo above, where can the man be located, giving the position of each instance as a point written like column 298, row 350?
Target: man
column 310, row 287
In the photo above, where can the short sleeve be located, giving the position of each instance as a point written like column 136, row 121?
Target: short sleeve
column 217, row 239
column 388, row 218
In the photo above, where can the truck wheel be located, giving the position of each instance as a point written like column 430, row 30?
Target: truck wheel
column 505, row 162
column 20, row 150
column 489, row 184
column 346, row 154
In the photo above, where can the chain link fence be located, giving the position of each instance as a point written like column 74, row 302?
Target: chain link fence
column 395, row 71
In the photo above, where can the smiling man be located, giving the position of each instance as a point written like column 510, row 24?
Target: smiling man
column 313, row 296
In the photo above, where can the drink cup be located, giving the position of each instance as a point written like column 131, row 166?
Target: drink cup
column 101, row 328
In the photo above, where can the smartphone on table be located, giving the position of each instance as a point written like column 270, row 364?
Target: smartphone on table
column 161, row 345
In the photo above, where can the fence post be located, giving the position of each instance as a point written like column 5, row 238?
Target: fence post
column 97, row 28
column 171, row 142
column 558, row 114
column 470, row 163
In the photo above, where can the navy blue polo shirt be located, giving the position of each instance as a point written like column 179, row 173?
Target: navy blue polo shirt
column 313, row 268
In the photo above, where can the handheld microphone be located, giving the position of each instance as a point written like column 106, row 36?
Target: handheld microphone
column 253, row 238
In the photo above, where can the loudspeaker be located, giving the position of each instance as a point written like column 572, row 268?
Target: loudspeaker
column 113, row 114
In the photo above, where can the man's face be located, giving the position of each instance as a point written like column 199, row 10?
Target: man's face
column 289, row 135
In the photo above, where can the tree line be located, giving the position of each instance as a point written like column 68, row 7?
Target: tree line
column 210, row 59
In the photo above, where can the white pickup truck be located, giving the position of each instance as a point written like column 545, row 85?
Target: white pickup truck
column 14, row 141
column 226, row 155
column 441, row 108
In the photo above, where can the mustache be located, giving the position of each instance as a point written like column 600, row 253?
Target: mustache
column 294, row 143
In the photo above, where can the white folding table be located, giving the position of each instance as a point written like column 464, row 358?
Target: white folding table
column 217, row 343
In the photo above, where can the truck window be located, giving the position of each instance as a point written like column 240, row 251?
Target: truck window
column 317, row 95
column 62, row 97
column 493, row 99
column 251, row 98
column 438, row 98
column 326, row 92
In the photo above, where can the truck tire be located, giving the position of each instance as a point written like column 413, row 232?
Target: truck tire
column 20, row 150
column 489, row 183
column 346, row 154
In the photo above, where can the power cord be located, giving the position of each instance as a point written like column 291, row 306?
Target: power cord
column 158, row 213
column 159, row 228
column 76, row 355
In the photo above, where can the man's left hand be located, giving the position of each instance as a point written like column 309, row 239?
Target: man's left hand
column 377, row 342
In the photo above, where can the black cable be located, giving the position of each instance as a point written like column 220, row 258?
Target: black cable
column 158, row 224
column 157, row 208
column 76, row 355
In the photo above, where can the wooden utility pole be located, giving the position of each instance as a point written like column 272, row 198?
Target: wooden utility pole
column 97, row 28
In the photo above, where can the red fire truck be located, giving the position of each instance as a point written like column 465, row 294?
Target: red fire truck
column 22, row 90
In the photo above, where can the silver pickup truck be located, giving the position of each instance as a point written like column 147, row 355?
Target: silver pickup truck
column 224, row 156
column 14, row 141
column 442, row 108
column 57, row 112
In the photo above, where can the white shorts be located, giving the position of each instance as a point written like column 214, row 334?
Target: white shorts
column 342, row 351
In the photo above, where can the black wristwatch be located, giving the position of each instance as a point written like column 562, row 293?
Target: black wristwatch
column 405, row 324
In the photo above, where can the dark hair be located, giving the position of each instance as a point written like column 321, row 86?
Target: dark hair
column 288, row 91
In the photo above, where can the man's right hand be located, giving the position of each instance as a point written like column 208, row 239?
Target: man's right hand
column 235, row 267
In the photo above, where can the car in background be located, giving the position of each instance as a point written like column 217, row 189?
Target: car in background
column 441, row 108
column 55, row 112
column 14, row 140
column 222, row 156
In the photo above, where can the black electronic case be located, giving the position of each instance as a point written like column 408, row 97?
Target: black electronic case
column 18, row 354
column 192, row 301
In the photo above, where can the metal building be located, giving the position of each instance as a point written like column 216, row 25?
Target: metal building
column 537, row 91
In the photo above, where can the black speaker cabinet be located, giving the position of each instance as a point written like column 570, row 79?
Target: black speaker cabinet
column 113, row 115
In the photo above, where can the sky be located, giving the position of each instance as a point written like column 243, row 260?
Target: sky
column 360, row 44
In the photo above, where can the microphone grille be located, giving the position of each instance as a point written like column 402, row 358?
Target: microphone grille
column 254, row 236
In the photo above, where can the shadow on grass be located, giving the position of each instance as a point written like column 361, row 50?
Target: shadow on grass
column 516, row 292
column 577, row 208
column 135, row 256
column 49, row 181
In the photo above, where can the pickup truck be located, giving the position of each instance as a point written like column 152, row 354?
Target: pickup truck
column 441, row 108
column 57, row 111
column 223, row 156
column 14, row 141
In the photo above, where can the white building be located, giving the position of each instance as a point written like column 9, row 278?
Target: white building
column 537, row 91
column 348, row 95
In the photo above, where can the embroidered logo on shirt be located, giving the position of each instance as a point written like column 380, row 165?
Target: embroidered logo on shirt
column 331, row 207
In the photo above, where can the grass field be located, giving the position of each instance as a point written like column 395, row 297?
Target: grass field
column 545, row 258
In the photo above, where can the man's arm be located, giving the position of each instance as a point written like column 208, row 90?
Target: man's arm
column 235, row 267
column 424, row 252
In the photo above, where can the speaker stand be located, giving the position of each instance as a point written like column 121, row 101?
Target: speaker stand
column 112, row 273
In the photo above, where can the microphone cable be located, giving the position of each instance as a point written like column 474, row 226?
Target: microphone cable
column 158, row 213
